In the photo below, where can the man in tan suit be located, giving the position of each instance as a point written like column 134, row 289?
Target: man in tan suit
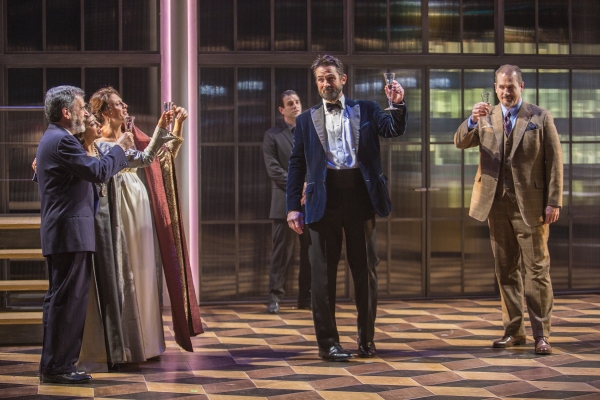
column 518, row 189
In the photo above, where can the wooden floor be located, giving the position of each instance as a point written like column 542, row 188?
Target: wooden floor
column 426, row 350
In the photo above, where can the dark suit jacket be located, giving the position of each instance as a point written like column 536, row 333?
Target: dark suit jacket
column 536, row 160
column 277, row 148
column 309, row 155
column 64, row 173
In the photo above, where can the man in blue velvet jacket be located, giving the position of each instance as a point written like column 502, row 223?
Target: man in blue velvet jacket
column 64, row 175
column 336, row 149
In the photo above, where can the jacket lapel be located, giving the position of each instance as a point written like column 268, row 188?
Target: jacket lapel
column 287, row 134
column 354, row 116
column 318, row 117
column 520, row 126
column 498, row 125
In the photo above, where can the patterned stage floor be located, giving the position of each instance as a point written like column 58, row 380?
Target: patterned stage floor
column 435, row 349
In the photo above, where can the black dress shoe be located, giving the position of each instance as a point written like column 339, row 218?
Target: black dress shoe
column 273, row 307
column 335, row 353
column 70, row 378
column 542, row 346
column 509, row 341
column 366, row 350
column 304, row 306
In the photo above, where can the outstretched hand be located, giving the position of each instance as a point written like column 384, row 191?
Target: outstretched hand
column 165, row 119
column 396, row 93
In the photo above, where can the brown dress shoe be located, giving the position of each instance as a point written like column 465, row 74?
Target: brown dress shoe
column 509, row 341
column 542, row 346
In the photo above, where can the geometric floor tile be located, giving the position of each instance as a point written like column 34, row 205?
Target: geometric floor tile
column 429, row 349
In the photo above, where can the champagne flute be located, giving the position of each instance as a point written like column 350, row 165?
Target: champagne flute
column 389, row 80
column 129, row 123
column 168, row 106
column 486, row 122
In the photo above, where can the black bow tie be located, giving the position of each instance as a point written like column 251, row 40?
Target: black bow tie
column 332, row 107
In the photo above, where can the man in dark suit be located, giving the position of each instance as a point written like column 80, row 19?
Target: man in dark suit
column 336, row 148
column 64, row 176
column 277, row 148
column 518, row 189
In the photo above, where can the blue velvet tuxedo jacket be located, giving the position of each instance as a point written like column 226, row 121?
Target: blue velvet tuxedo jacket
column 309, row 155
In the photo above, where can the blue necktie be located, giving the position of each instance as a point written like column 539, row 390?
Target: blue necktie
column 507, row 124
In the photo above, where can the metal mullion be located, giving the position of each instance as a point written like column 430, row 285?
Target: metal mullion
column 536, row 32
column 82, row 26
column 570, row 166
column 425, row 27
column 272, row 24
column 499, row 26
column 462, row 187
column 236, row 180
column 461, row 27
column 44, row 47
column 235, row 26
column 120, row 22
column 274, row 97
column 426, row 170
column 388, row 25
column 308, row 25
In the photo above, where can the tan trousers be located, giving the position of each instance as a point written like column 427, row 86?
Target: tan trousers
column 515, row 244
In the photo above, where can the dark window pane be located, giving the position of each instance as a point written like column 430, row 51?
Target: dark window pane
column 63, row 76
column 478, row 276
column 24, row 127
column 586, row 97
column 96, row 78
column 586, row 30
column 553, row 95
column 216, row 105
column 553, row 27
column 445, row 263
column 254, row 183
column 445, row 104
column 216, row 25
column 22, row 191
column 25, row 87
column 101, row 25
column 406, row 258
column 405, row 25
column 217, row 260
column 370, row 25
column 290, row 25
column 141, row 25
column 586, row 236
column 478, row 26
column 254, row 25
column 254, row 107
column 24, row 25
column 217, row 168
column 444, row 26
column 327, row 25
column 139, row 92
column 255, row 251
column 63, row 25
column 519, row 26
column 295, row 79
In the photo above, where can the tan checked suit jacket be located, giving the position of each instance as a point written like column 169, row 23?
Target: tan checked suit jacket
column 536, row 155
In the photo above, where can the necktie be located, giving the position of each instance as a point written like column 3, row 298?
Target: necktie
column 332, row 107
column 507, row 124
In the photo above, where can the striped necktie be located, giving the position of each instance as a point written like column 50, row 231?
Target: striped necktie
column 507, row 124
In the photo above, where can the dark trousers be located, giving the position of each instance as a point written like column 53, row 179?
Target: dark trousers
column 348, row 208
column 284, row 240
column 65, row 306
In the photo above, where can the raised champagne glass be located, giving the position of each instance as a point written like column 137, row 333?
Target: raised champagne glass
column 129, row 123
column 389, row 81
column 168, row 106
column 486, row 122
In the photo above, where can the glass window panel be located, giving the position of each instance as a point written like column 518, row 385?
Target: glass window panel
column 445, row 263
column 479, row 275
column 370, row 27
column 254, row 105
column 216, row 105
column 140, row 22
column 406, row 259
column 23, row 192
column 446, row 180
column 444, row 26
column 553, row 27
column 25, row 87
column 101, row 25
column 96, row 78
column 24, row 25
column 477, row 81
column 558, row 246
column 255, row 255
column 218, row 263
column 586, row 253
column 566, row 176
column 586, row 30
column 478, row 26
column 216, row 25
column 290, row 25
column 381, row 236
column 24, row 127
column 63, row 76
column 554, row 96
column 254, row 25
column 296, row 79
column 254, row 184
column 529, row 94
column 405, row 26
column 63, row 25
column 586, row 105
column 217, row 170
column 519, row 26
column 327, row 25
column 445, row 104
column 471, row 163
column 586, row 178
column 141, row 93
column 405, row 177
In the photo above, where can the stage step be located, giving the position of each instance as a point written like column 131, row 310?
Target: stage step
column 21, row 318
column 8, row 221
column 21, row 254
column 24, row 285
